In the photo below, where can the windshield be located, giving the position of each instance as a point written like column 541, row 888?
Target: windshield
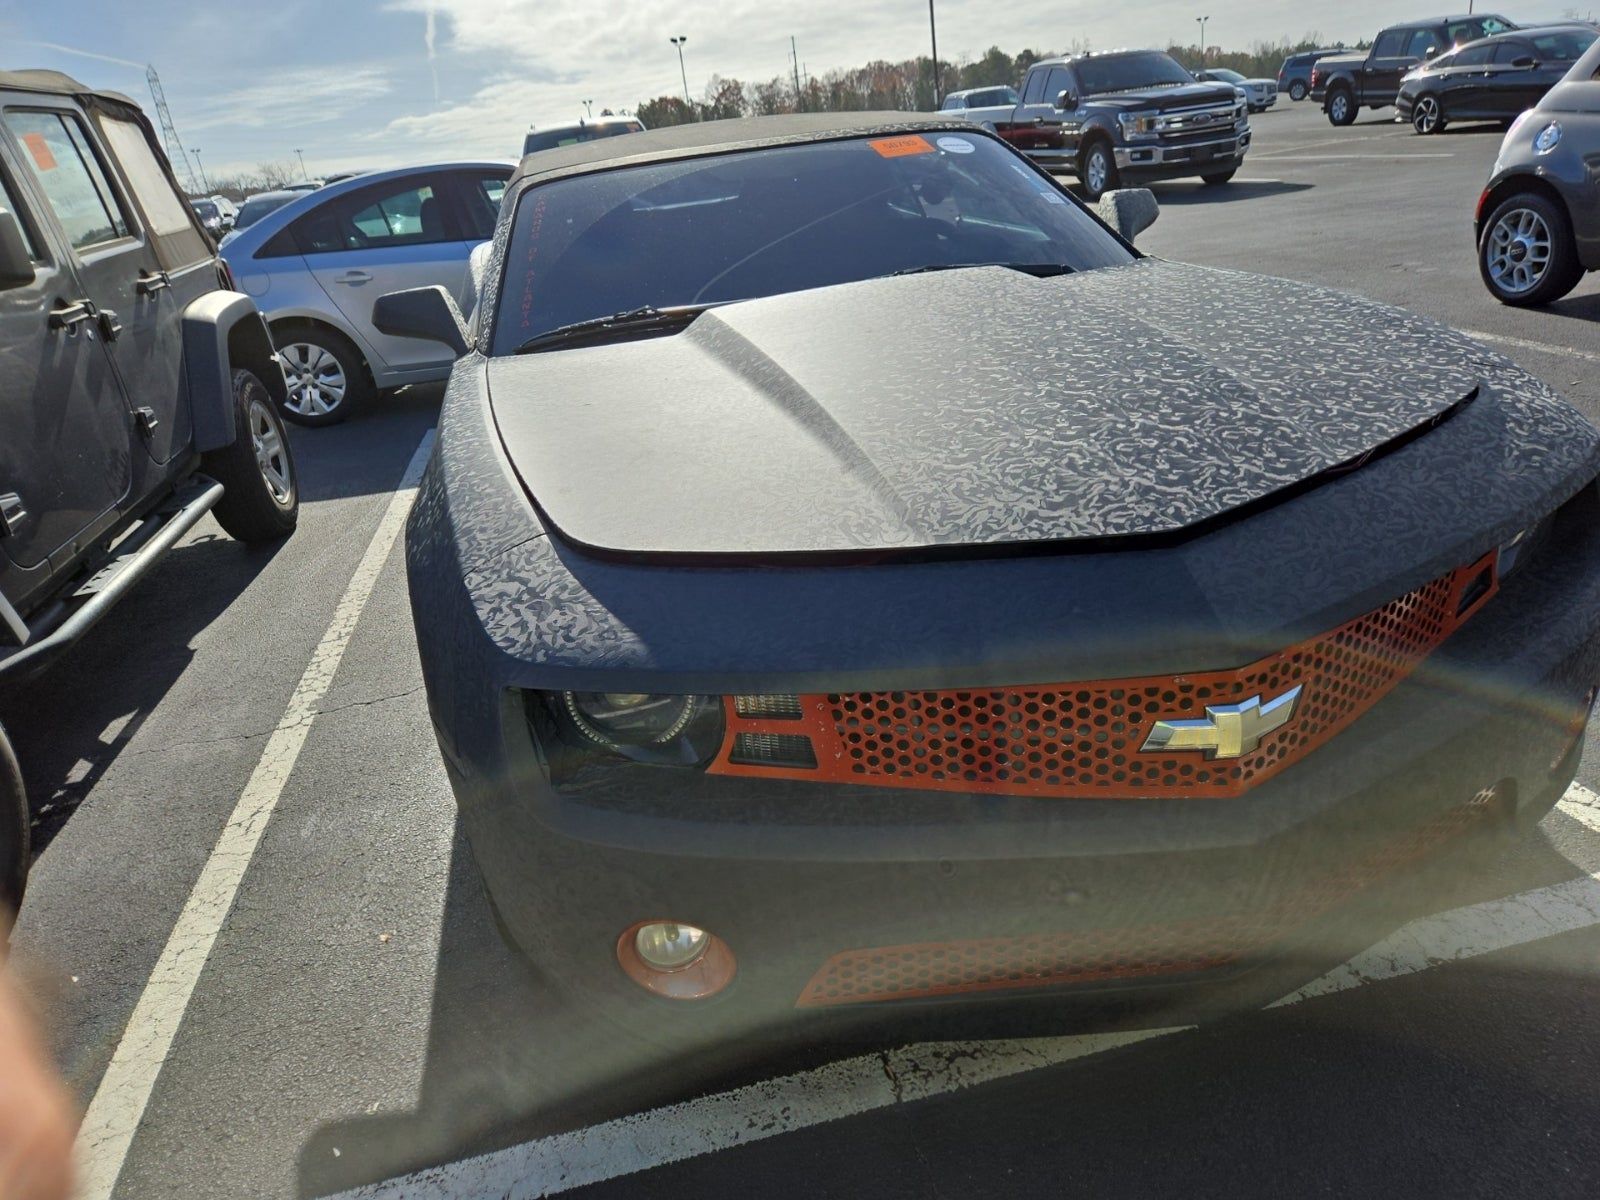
column 1128, row 72
column 1470, row 29
column 204, row 208
column 1562, row 45
column 257, row 207
column 764, row 222
column 1225, row 74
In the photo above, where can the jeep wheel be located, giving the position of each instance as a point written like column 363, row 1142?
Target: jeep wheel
column 325, row 373
column 261, row 498
column 1426, row 116
column 1341, row 107
column 1217, row 178
column 1297, row 91
column 1527, row 256
column 1097, row 171
column 14, row 821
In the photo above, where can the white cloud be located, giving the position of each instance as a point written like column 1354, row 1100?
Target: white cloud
column 293, row 98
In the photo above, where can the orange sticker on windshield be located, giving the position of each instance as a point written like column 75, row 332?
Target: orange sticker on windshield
column 40, row 149
column 899, row 147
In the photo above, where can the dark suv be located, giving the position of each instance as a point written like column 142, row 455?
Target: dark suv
column 138, row 391
column 1346, row 83
column 1294, row 76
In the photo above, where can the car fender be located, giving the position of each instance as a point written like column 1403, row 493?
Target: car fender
column 382, row 374
column 222, row 332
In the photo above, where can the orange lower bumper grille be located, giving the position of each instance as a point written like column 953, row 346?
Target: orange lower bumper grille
column 1084, row 739
column 926, row 970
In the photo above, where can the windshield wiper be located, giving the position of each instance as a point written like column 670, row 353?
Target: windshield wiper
column 1038, row 270
column 648, row 318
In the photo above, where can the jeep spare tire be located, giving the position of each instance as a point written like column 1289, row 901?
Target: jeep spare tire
column 261, row 493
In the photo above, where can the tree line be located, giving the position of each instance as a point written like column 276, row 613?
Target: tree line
column 909, row 85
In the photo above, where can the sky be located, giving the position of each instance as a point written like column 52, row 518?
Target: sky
column 369, row 83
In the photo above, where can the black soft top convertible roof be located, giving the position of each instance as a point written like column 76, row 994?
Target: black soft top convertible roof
column 739, row 133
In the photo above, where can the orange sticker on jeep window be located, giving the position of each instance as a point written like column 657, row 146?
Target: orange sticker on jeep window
column 899, row 147
column 40, row 149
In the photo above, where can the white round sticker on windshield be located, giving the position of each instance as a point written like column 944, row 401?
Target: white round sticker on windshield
column 956, row 145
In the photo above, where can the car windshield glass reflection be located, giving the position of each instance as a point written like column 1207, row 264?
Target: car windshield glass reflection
column 761, row 223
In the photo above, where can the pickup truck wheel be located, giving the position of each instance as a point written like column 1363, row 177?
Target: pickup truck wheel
column 261, row 496
column 1527, row 255
column 1341, row 107
column 325, row 373
column 1217, row 178
column 1097, row 170
column 1297, row 91
column 1426, row 116
column 14, row 821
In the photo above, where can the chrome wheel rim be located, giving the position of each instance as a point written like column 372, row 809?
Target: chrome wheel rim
column 316, row 381
column 1518, row 251
column 1426, row 118
column 266, row 439
column 1096, row 171
column 1339, row 106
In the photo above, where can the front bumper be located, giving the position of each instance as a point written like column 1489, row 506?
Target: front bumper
column 840, row 899
column 1188, row 158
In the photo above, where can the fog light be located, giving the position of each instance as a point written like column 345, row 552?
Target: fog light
column 669, row 947
column 674, row 960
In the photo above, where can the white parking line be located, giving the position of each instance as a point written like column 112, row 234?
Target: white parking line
column 119, row 1102
column 639, row 1142
column 1348, row 157
column 1525, row 344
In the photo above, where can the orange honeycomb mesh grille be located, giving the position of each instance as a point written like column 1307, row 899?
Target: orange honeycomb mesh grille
column 929, row 969
column 1084, row 739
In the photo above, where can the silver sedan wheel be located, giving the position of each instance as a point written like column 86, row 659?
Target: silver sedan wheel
column 1425, row 116
column 266, row 439
column 1095, row 172
column 316, row 381
column 1518, row 251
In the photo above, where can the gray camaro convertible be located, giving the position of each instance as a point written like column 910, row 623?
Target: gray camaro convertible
column 1538, row 220
column 853, row 582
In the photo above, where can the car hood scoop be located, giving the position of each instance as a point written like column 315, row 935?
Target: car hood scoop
column 968, row 409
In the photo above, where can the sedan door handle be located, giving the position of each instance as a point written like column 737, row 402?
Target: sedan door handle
column 355, row 277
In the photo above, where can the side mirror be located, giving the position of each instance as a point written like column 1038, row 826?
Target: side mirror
column 16, row 264
column 1066, row 100
column 426, row 312
column 1430, row 52
column 1130, row 211
column 1525, row 62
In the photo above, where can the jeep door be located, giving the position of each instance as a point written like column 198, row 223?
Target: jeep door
column 140, row 327
column 387, row 237
column 64, row 455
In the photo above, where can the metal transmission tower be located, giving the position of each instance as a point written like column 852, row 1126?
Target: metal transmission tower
column 169, row 135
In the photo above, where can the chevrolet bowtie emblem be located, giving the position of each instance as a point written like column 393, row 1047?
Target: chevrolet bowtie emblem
column 1227, row 730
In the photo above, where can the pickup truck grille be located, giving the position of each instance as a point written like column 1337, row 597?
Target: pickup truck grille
column 1213, row 119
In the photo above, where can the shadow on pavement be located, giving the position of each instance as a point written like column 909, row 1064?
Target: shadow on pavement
column 70, row 723
column 1196, row 192
column 1577, row 308
column 357, row 456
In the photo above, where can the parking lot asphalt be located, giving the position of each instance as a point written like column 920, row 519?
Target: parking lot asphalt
column 242, row 754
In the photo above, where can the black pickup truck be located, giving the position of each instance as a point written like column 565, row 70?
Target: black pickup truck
column 1346, row 83
column 1124, row 116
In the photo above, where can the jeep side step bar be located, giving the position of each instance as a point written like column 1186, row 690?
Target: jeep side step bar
column 132, row 560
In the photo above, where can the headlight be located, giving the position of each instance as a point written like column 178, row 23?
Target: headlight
column 575, row 727
column 1548, row 138
column 1138, row 124
column 1240, row 112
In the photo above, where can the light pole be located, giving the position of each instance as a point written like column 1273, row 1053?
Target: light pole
column 304, row 174
column 678, row 42
column 1201, row 21
column 588, row 108
column 933, row 34
column 204, row 185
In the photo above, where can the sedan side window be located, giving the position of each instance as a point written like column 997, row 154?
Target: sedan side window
column 1473, row 56
column 1507, row 53
column 480, row 197
column 404, row 212
column 74, row 183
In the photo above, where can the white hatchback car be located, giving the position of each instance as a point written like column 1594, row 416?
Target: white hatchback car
column 315, row 266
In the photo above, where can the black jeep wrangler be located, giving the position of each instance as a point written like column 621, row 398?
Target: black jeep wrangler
column 138, row 390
